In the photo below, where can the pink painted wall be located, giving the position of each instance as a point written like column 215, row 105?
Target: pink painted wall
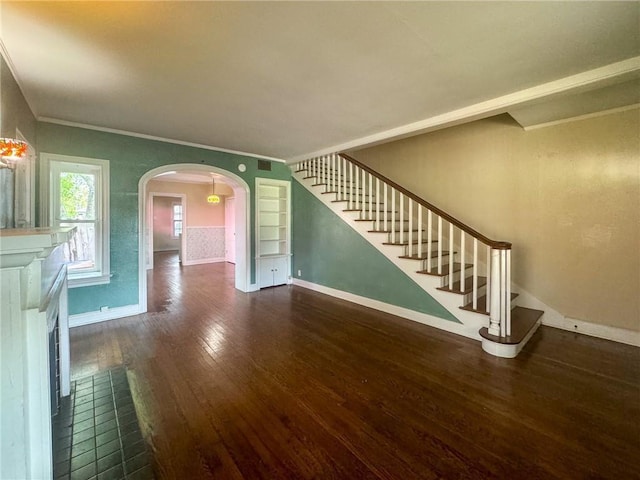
column 163, row 224
column 199, row 212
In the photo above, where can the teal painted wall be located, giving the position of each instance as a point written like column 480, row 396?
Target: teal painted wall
column 15, row 111
column 330, row 253
column 129, row 159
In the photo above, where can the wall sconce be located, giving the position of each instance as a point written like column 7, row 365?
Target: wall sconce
column 11, row 150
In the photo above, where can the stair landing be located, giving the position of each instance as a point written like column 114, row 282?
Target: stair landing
column 524, row 323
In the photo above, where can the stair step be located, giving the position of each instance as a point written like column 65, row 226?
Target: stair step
column 406, row 242
column 445, row 269
column 423, row 256
column 522, row 321
column 381, row 220
column 353, row 201
column 482, row 305
column 468, row 286
column 415, row 230
column 365, row 211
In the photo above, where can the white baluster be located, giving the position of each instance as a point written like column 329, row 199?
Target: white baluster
column 503, row 288
column 385, row 207
column 358, row 192
column 363, row 185
column 488, row 275
column 429, row 238
column 401, row 211
column 393, row 215
column 410, row 214
column 377, row 204
column 451, row 255
column 339, row 178
column 462, row 270
column 327, row 164
column 507, row 292
column 350, row 186
column 419, row 231
column 440, row 245
column 370, row 197
column 475, row 274
column 343, row 187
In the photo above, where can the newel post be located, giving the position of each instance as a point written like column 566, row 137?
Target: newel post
column 500, row 290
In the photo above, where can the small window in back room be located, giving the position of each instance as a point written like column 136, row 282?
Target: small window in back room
column 177, row 220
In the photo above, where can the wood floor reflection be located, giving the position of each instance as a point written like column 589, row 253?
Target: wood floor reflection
column 288, row 383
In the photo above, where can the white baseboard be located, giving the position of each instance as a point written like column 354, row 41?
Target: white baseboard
column 425, row 319
column 253, row 288
column 101, row 316
column 202, row 261
column 607, row 332
column 553, row 318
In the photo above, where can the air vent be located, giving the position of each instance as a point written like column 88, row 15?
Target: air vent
column 264, row 165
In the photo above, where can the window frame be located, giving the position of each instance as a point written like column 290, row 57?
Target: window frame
column 53, row 164
column 174, row 220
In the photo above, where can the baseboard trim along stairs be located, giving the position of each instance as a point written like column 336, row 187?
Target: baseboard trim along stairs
column 466, row 272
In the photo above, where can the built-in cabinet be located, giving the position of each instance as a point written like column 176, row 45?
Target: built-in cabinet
column 273, row 232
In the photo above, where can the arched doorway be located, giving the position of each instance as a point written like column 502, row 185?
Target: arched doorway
column 242, row 243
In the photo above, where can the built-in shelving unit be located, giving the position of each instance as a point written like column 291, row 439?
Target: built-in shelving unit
column 273, row 231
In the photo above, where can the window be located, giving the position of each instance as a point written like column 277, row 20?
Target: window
column 177, row 220
column 79, row 197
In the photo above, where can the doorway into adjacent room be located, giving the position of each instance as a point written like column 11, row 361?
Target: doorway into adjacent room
column 193, row 214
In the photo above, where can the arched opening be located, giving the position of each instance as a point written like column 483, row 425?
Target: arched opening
column 242, row 238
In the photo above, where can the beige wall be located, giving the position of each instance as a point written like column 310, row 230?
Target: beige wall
column 199, row 212
column 566, row 196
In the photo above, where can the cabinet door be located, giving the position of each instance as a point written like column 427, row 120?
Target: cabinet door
column 266, row 272
column 280, row 273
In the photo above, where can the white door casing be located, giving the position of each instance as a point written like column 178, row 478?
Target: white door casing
column 230, row 229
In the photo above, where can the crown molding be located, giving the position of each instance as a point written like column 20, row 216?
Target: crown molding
column 607, row 74
column 585, row 116
column 67, row 123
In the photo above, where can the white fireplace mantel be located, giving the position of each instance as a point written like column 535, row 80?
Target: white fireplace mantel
column 33, row 296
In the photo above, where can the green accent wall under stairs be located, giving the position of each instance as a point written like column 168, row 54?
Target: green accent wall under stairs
column 329, row 252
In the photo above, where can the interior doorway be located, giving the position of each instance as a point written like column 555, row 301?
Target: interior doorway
column 166, row 221
column 240, row 215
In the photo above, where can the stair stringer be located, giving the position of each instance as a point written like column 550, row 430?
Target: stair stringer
column 470, row 322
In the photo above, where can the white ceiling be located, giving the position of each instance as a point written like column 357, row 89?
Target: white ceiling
column 289, row 79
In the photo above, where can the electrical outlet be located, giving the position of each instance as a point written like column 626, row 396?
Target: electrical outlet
column 104, row 309
column 299, row 273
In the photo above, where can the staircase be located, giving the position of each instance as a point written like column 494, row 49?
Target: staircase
column 465, row 271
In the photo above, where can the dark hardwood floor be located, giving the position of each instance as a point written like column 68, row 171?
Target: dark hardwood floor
column 289, row 383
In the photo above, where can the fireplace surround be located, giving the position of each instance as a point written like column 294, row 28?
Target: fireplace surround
column 34, row 347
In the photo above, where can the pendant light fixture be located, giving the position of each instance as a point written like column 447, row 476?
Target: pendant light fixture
column 213, row 198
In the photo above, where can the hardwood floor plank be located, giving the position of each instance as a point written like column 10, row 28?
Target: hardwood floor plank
column 289, row 383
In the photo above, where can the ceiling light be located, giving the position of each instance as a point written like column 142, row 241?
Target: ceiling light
column 213, row 198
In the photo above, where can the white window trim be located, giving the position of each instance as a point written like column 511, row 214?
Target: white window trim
column 81, row 279
column 173, row 220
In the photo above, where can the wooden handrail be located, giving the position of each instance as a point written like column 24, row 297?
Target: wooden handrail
column 499, row 245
